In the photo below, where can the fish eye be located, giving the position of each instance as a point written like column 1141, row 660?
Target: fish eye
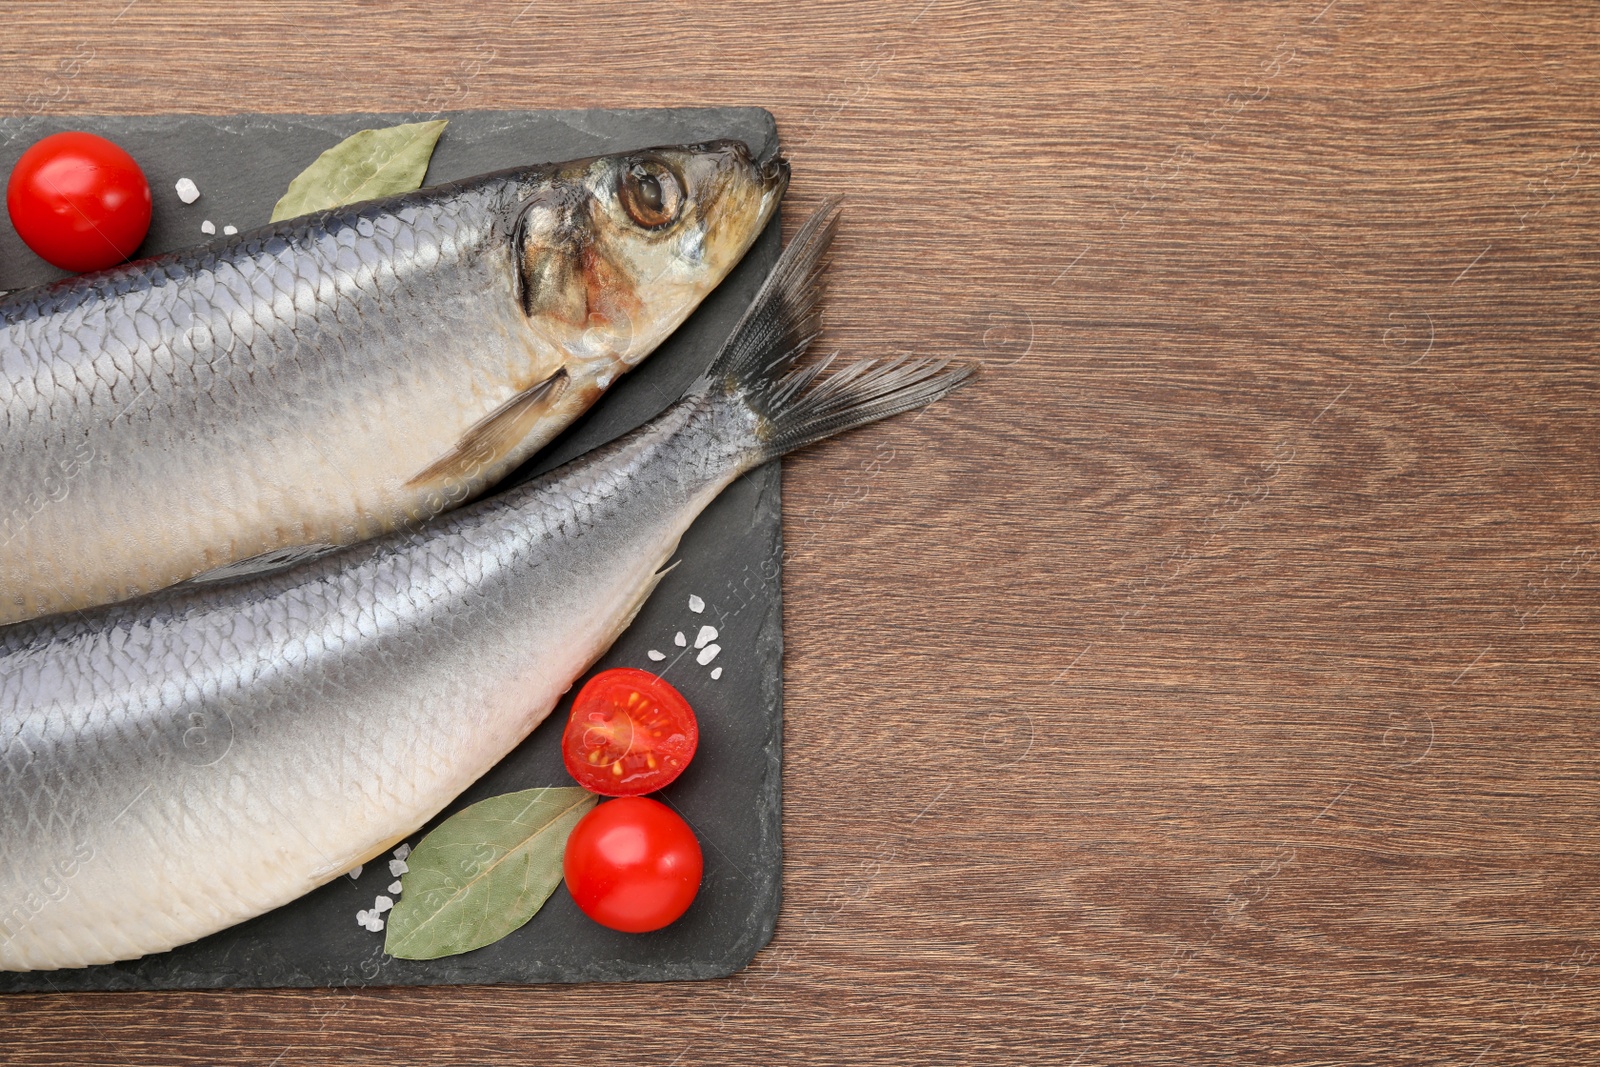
column 650, row 192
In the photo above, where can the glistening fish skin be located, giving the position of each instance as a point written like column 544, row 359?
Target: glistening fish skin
column 172, row 766
column 325, row 379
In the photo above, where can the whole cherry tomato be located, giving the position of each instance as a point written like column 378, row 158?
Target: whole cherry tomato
column 633, row 864
column 630, row 732
column 79, row 201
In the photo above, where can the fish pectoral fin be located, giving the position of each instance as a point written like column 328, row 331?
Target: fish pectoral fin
column 495, row 435
column 276, row 559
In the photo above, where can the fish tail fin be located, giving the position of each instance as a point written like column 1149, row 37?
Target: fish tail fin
column 795, row 407
column 795, row 413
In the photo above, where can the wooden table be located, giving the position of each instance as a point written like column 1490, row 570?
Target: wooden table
column 1216, row 680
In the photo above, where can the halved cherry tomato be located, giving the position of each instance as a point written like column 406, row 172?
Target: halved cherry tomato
column 79, row 201
column 633, row 864
column 630, row 732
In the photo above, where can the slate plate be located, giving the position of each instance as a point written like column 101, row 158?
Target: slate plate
column 730, row 558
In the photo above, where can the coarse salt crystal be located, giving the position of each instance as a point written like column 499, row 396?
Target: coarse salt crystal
column 381, row 905
column 706, row 635
column 362, row 916
column 230, row 230
column 208, row 226
column 403, row 851
column 188, row 191
column 716, row 672
column 656, row 656
column 394, row 887
column 355, row 872
column 680, row 640
column 696, row 605
column 376, row 925
column 707, row 654
column 398, row 867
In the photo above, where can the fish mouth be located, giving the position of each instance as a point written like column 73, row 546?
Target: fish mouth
column 773, row 168
column 774, row 172
column 771, row 171
column 767, row 177
column 772, row 177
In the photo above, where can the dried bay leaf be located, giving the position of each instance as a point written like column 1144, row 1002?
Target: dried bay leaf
column 483, row 872
column 365, row 165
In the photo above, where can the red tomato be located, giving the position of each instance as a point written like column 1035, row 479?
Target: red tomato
column 79, row 201
column 633, row 864
column 630, row 732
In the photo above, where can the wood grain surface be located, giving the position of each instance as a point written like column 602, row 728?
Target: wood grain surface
column 1216, row 680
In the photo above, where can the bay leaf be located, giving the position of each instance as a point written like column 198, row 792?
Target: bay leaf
column 365, row 165
column 483, row 872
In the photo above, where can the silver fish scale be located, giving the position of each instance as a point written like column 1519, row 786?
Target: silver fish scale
column 172, row 766
column 299, row 347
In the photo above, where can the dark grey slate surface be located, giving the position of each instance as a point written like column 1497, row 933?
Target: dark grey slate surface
column 730, row 794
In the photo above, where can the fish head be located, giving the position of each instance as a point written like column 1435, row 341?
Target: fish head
column 615, row 252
